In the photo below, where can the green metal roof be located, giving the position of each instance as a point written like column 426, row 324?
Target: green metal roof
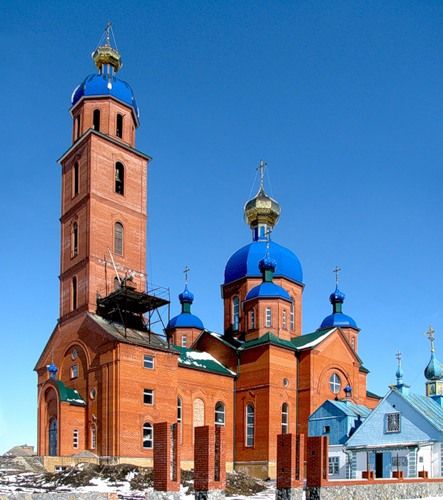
column 373, row 395
column 310, row 339
column 202, row 361
column 69, row 395
column 267, row 338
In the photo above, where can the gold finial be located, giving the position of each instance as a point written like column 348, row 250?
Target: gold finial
column 105, row 53
column 430, row 333
column 336, row 271
column 261, row 168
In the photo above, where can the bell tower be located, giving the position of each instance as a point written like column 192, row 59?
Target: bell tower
column 104, row 189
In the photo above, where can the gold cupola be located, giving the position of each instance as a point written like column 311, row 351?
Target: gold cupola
column 261, row 212
column 105, row 55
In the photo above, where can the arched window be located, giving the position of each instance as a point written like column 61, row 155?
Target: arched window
column 334, row 383
column 268, row 321
column 252, row 319
column 118, row 238
column 148, row 436
column 292, row 314
column 74, row 239
column 219, row 413
column 119, row 126
column 119, row 178
column 199, row 413
column 96, row 120
column 250, row 425
column 284, row 418
column 75, row 179
column 74, row 293
column 75, row 436
column 235, row 313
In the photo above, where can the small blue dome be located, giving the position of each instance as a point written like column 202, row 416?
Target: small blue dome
column 97, row 85
column 338, row 319
column 267, row 264
column 434, row 369
column 245, row 262
column 337, row 296
column 268, row 290
column 185, row 320
column 186, row 297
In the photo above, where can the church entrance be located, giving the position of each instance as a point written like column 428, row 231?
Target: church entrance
column 53, row 437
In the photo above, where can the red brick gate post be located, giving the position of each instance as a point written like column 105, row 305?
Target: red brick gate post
column 209, row 460
column 317, row 461
column 290, row 466
column 166, row 457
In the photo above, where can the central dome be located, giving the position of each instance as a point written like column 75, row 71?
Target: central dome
column 244, row 263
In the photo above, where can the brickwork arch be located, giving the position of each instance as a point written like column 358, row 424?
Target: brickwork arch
column 323, row 379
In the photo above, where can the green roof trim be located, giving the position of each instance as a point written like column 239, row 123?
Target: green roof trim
column 370, row 394
column 308, row 338
column 69, row 395
column 198, row 360
column 364, row 369
column 268, row 338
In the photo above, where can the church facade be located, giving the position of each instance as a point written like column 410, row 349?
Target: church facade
column 108, row 372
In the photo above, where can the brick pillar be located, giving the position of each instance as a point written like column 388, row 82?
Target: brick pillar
column 209, row 459
column 166, row 457
column 317, row 461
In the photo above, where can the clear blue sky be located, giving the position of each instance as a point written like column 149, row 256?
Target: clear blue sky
column 344, row 101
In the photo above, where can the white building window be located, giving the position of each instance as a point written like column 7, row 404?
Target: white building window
column 252, row 319
column 268, row 321
column 219, row 413
column 392, row 422
column 284, row 418
column 93, row 438
column 334, row 465
column 74, row 371
column 291, row 315
column 148, row 436
column 235, row 313
column 184, row 341
column 148, row 361
column 250, row 425
column 283, row 320
column 334, row 383
column 148, row 396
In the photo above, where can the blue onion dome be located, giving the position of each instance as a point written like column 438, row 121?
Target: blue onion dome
column 268, row 290
column 337, row 318
column 185, row 319
column 267, row 264
column 52, row 370
column 434, row 369
column 186, row 296
column 348, row 389
column 105, row 83
column 244, row 263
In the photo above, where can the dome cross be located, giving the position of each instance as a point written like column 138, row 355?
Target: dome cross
column 185, row 272
column 337, row 272
column 261, row 168
column 430, row 333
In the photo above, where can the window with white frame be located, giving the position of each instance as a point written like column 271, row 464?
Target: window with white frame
column 148, row 361
column 235, row 313
column 219, row 413
column 250, row 425
column 148, row 435
column 93, row 438
column 184, row 341
column 148, row 396
column 334, row 465
column 283, row 320
column 284, row 418
column 392, row 422
column 179, row 410
column 252, row 319
column 334, row 383
column 268, row 321
column 75, row 438
column 291, row 315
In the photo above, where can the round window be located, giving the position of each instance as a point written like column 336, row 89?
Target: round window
column 74, row 353
column 335, row 383
column 92, row 393
column 285, row 382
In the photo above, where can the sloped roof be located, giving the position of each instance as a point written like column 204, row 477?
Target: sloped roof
column 431, row 410
column 267, row 338
column 351, row 409
column 309, row 340
column 69, row 395
column 202, row 361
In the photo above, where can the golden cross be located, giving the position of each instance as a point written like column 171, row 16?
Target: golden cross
column 261, row 168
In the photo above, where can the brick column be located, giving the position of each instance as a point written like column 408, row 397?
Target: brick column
column 290, row 466
column 209, row 462
column 317, row 461
column 166, row 457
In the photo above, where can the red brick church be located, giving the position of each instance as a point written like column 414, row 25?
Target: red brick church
column 109, row 371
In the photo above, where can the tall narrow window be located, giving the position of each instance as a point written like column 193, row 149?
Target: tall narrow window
column 148, row 436
column 77, row 126
column 75, row 179
column 268, row 322
column 119, row 178
column 235, row 313
column 283, row 320
column 75, row 435
column 292, row 314
column 219, row 413
column 118, row 238
column 184, row 341
column 74, row 293
column 96, row 120
column 74, row 239
column 250, row 424
column 179, row 410
column 119, row 126
column 284, row 418
column 93, row 438
column 199, row 413
column 252, row 319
